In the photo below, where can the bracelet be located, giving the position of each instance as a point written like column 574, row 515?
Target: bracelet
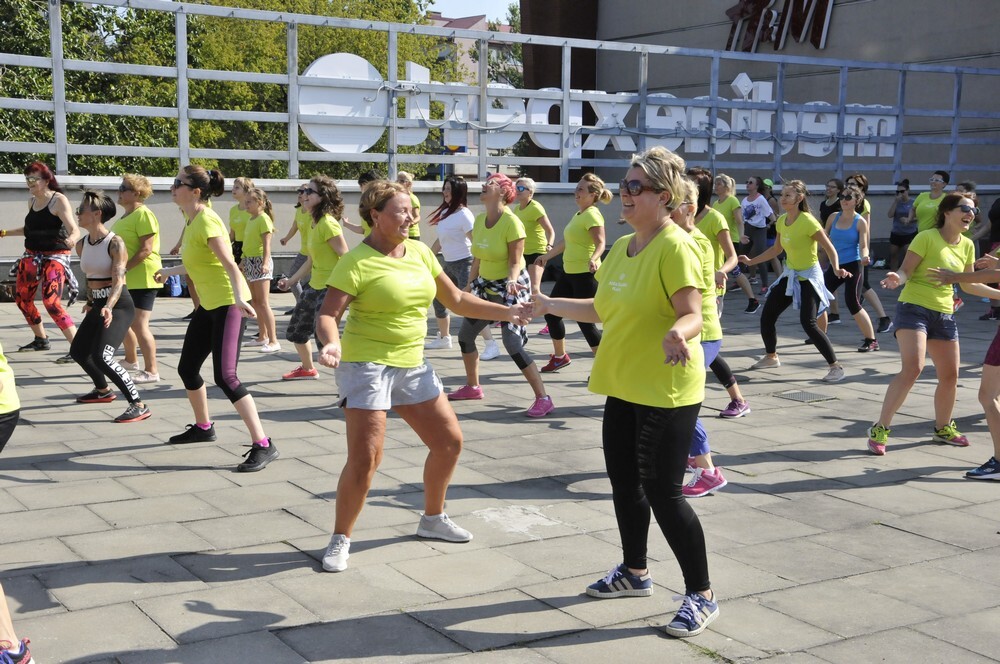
column 3, row 232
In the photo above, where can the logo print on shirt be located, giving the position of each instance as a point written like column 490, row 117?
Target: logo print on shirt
column 619, row 284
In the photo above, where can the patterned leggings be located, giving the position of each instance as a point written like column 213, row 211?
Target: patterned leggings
column 52, row 277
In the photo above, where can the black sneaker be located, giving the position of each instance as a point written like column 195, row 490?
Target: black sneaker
column 258, row 457
column 868, row 346
column 990, row 315
column 38, row 343
column 194, row 434
column 884, row 325
column 834, row 319
column 134, row 413
column 65, row 359
column 752, row 306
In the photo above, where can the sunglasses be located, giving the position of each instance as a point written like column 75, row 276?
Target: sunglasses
column 31, row 179
column 80, row 210
column 178, row 183
column 307, row 191
column 936, row 180
column 636, row 187
column 968, row 208
column 846, row 197
column 901, row 191
column 521, row 187
column 122, row 188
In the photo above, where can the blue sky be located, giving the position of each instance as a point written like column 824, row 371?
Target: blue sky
column 495, row 10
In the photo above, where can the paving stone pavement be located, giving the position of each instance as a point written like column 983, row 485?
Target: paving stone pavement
column 120, row 548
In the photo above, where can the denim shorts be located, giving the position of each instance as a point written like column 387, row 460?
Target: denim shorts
column 371, row 386
column 934, row 324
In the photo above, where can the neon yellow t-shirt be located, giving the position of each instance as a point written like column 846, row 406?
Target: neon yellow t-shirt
column 711, row 225
column 201, row 263
column 926, row 208
column 489, row 245
column 580, row 244
column 711, row 328
column 535, row 240
column 388, row 320
column 414, row 231
column 727, row 209
column 633, row 301
column 303, row 222
column 9, row 401
column 935, row 252
column 238, row 222
column 131, row 229
column 797, row 240
column 253, row 242
column 324, row 258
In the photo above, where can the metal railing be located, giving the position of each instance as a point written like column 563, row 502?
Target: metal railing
column 706, row 141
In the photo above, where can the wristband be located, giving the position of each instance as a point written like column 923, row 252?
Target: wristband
column 3, row 233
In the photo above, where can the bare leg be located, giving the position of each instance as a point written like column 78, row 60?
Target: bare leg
column 131, row 345
column 365, row 439
column 305, row 355
column 534, row 379
column 944, row 354
column 262, row 305
column 864, row 324
column 471, row 362
column 435, row 422
column 912, row 349
column 6, row 624
column 872, row 298
column 248, row 413
column 144, row 336
column 199, row 404
column 444, row 326
column 559, row 347
column 745, row 286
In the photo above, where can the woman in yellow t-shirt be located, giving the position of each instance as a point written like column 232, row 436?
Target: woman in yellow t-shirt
column 652, row 369
column 925, row 318
column 140, row 230
column 581, row 247
column 539, row 235
column 405, row 178
column 322, row 202
column 498, row 275
column 800, row 235
column 238, row 216
column 258, row 267
column 300, row 225
column 218, row 324
column 389, row 282
column 728, row 206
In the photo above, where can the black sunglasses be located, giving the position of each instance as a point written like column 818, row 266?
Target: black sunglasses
column 901, row 191
column 181, row 183
column 302, row 191
column 122, row 188
column 636, row 187
column 968, row 208
column 308, row 191
column 846, row 197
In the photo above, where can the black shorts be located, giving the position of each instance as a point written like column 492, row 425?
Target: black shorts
column 143, row 298
column 900, row 240
column 7, row 423
column 529, row 259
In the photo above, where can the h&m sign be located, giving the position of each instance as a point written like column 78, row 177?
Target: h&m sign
column 757, row 21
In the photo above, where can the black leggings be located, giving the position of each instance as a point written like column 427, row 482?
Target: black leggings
column 722, row 372
column 94, row 345
column 777, row 302
column 578, row 287
column 7, row 423
column 645, row 451
column 852, row 291
column 218, row 332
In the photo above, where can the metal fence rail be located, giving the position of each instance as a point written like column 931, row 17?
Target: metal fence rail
column 628, row 128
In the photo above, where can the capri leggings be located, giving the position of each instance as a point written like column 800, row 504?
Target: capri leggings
column 854, row 284
column 94, row 345
column 777, row 302
column 458, row 271
column 645, row 451
column 758, row 245
column 300, row 260
column 218, row 332
column 52, row 276
column 8, row 421
column 580, row 286
column 699, row 441
column 512, row 341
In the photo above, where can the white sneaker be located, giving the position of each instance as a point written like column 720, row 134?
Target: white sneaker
column 254, row 342
column 442, row 528
column 270, row 348
column 337, row 553
column 146, row 377
column 129, row 366
column 835, row 375
column 766, row 362
column 492, row 350
column 439, row 343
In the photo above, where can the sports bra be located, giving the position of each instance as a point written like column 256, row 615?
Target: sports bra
column 95, row 259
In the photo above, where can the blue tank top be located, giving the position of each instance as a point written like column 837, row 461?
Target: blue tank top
column 846, row 240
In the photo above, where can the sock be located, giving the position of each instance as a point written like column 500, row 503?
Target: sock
column 204, row 427
column 266, row 442
column 17, row 650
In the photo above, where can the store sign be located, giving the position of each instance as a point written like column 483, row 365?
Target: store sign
column 759, row 21
column 363, row 119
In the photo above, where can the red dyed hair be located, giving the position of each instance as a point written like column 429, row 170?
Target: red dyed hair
column 42, row 170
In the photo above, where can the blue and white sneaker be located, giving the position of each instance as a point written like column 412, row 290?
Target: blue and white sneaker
column 621, row 583
column 988, row 471
column 696, row 613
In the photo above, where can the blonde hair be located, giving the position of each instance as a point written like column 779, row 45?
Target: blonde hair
column 405, row 178
column 376, row 195
column 528, row 183
column 265, row 203
column 246, row 184
column 727, row 182
column 595, row 185
column 139, row 185
column 688, row 191
column 665, row 170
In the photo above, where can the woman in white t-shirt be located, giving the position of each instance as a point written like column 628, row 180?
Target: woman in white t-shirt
column 757, row 215
column 454, row 222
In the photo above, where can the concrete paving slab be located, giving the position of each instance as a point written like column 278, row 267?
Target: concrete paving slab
column 973, row 630
column 634, row 642
column 259, row 646
column 166, row 538
column 462, row 573
column 232, row 532
column 270, row 561
column 161, row 509
column 896, row 646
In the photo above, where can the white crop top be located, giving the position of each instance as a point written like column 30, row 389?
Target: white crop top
column 95, row 259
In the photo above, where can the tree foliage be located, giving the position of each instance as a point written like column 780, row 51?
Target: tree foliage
column 147, row 37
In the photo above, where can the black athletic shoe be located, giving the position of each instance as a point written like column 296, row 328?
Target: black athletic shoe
column 65, row 359
column 884, row 325
column 257, row 457
column 134, row 413
column 194, row 434
column 752, row 307
column 37, row 343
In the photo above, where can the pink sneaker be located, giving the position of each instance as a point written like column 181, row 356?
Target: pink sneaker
column 542, row 407
column 544, row 331
column 736, row 409
column 704, row 482
column 466, row 393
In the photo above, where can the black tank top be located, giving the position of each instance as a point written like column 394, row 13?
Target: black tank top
column 44, row 231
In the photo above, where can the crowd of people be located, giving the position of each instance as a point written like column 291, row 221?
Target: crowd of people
column 650, row 310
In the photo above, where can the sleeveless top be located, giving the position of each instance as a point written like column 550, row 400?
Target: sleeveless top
column 44, row 231
column 95, row 259
column 846, row 240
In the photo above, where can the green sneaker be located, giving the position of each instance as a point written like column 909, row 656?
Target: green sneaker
column 878, row 436
column 950, row 435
